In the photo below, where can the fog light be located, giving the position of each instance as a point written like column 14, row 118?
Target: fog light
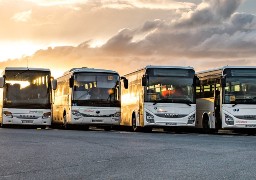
column 229, row 120
column 47, row 115
column 149, row 118
column 8, row 114
column 76, row 113
column 117, row 114
column 191, row 119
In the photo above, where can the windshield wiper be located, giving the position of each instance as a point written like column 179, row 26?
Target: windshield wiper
column 19, row 73
column 86, row 93
column 171, row 101
column 187, row 103
column 161, row 100
column 234, row 104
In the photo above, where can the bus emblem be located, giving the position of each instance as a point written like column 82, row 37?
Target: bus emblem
column 97, row 112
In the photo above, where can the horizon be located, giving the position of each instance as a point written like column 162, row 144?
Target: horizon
column 127, row 35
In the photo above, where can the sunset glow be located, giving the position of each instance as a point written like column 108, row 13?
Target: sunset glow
column 11, row 50
column 96, row 43
column 127, row 35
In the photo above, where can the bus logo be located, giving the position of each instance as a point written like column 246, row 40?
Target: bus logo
column 97, row 112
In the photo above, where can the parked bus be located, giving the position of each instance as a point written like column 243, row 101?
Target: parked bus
column 226, row 98
column 88, row 97
column 25, row 96
column 159, row 96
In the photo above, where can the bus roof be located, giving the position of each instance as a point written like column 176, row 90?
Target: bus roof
column 75, row 70
column 25, row 68
column 163, row 67
column 226, row 67
column 169, row 67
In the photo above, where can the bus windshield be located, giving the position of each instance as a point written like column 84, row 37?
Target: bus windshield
column 240, row 90
column 98, row 88
column 170, row 90
column 27, row 89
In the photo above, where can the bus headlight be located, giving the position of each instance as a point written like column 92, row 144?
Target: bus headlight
column 149, row 118
column 117, row 114
column 8, row 114
column 191, row 119
column 76, row 113
column 229, row 120
column 47, row 115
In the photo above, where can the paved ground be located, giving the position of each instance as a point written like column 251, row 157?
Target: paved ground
column 76, row 154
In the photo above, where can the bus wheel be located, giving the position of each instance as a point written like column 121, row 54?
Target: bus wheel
column 107, row 128
column 85, row 127
column 65, row 124
column 206, row 127
column 134, row 126
column 147, row 129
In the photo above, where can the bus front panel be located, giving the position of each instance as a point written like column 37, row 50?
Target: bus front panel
column 95, row 115
column 169, row 114
column 26, row 116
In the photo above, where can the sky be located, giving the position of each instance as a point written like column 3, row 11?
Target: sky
column 125, row 35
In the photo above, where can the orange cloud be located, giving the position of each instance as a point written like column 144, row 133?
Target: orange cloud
column 208, row 35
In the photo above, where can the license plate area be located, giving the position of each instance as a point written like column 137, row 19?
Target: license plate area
column 171, row 124
column 250, row 125
column 97, row 121
column 27, row 121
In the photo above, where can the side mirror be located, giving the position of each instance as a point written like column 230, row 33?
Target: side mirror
column 144, row 81
column 196, row 81
column 125, row 82
column 71, row 81
column 223, row 82
column 54, row 84
column 2, row 82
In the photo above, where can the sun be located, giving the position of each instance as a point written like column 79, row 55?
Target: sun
column 96, row 43
column 12, row 50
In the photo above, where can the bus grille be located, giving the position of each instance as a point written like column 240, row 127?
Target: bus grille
column 247, row 117
column 171, row 115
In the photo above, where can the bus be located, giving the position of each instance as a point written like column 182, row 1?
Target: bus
column 25, row 96
column 159, row 96
column 87, row 97
column 226, row 98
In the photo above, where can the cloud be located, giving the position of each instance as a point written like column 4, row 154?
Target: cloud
column 22, row 16
column 57, row 2
column 210, row 34
column 209, row 12
column 70, row 23
column 229, row 34
column 117, row 4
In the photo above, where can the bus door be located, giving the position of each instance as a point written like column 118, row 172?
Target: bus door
column 217, row 104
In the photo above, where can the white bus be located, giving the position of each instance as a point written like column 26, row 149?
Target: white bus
column 226, row 98
column 88, row 97
column 25, row 96
column 159, row 96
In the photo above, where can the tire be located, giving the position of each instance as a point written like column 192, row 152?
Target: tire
column 134, row 127
column 5, row 125
column 107, row 128
column 147, row 129
column 65, row 124
column 206, row 126
column 86, row 128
